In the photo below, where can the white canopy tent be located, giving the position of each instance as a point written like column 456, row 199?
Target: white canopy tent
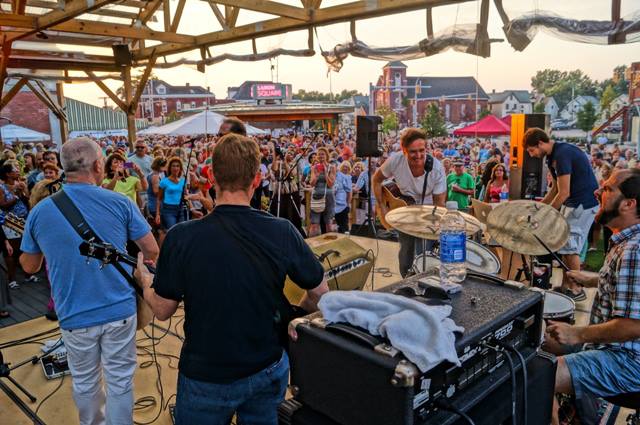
column 205, row 122
column 14, row 133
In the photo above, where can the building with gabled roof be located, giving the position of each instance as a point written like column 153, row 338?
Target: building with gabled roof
column 510, row 102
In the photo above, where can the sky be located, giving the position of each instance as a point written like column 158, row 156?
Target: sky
column 504, row 69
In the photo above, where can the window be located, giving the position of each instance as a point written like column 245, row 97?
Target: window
column 161, row 89
column 204, row 103
column 193, row 105
column 447, row 112
column 178, row 106
column 463, row 109
column 164, row 107
column 398, row 79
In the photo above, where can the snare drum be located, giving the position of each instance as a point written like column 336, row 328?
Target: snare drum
column 479, row 259
column 558, row 307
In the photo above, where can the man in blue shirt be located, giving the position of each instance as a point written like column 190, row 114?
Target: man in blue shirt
column 574, row 185
column 96, row 306
column 450, row 151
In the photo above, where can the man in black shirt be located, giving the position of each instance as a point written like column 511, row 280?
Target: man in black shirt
column 229, row 269
column 573, row 193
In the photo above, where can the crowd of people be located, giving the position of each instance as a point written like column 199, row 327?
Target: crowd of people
column 133, row 199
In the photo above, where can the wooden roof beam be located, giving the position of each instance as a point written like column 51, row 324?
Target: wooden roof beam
column 101, row 12
column 94, row 28
column 362, row 9
column 219, row 16
column 72, row 9
column 231, row 15
column 175, row 22
column 11, row 93
column 107, row 91
column 268, row 6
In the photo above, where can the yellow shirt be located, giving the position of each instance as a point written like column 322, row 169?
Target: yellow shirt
column 127, row 188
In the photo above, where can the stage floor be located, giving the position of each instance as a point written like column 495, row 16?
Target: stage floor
column 59, row 409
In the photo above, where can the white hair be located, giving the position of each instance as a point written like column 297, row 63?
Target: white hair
column 78, row 155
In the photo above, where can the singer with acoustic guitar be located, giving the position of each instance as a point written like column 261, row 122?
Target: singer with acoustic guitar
column 408, row 169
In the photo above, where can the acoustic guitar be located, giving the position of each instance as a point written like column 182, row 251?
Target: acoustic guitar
column 392, row 198
column 14, row 223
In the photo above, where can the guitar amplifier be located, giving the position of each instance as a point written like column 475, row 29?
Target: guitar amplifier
column 346, row 264
column 354, row 378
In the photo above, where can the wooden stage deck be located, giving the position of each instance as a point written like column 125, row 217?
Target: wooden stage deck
column 59, row 409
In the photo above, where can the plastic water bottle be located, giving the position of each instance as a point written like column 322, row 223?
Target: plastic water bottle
column 504, row 193
column 453, row 246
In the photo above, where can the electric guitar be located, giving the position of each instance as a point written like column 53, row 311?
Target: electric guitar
column 392, row 198
column 109, row 254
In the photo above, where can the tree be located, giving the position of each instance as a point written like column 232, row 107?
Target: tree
column 539, row 108
column 173, row 116
column 544, row 80
column 433, row 122
column 483, row 113
column 563, row 86
column 586, row 117
column 608, row 95
column 389, row 119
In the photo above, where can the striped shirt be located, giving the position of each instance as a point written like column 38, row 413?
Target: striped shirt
column 619, row 283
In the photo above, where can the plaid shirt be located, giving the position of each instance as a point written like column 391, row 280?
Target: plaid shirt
column 619, row 283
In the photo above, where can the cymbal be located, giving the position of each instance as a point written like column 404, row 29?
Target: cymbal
column 423, row 221
column 513, row 225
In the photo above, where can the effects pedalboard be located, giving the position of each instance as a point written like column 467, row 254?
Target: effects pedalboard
column 55, row 365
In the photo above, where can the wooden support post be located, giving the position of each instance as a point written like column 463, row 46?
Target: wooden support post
column 4, row 61
column 128, row 95
column 133, row 105
column 11, row 93
column 64, row 127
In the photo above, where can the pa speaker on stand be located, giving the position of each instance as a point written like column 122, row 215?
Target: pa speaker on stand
column 368, row 144
column 527, row 175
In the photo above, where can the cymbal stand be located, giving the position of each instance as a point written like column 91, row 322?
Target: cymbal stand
column 524, row 269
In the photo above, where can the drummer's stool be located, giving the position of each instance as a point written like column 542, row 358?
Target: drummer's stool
column 628, row 401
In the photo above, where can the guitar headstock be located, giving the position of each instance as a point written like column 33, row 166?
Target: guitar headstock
column 104, row 252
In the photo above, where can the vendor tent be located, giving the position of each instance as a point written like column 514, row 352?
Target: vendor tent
column 205, row 122
column 14, row 133
column 487, row 126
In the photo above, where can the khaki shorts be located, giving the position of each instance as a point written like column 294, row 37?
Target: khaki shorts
column 580, row 221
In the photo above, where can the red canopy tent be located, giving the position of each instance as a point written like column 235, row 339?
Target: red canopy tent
column 487, row 126
column 506, row 119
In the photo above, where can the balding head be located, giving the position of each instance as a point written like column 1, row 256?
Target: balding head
column 82, row 157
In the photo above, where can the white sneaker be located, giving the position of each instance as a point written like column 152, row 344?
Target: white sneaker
column 14, row 285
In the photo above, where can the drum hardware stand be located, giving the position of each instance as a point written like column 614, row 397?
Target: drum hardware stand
column 370, row 222
column 5, row 371
column 525, row 269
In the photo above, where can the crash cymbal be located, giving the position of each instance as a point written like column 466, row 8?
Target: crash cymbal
column 513, row 225
column 423, row 221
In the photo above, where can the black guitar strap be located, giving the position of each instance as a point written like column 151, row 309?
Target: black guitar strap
column 73, row 215
column 428, row 166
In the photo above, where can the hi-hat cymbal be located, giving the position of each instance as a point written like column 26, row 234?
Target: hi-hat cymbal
column 514, row 223
column 423, row 221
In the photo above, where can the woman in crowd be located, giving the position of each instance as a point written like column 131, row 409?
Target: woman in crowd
column 158, row 170
column 343, row 189
column 170, row 208
column 120, row 180
column 286, row 193
column 322, row 179
column 496, row 184
column 14, row 198
column 29, row 163
column 51, row 171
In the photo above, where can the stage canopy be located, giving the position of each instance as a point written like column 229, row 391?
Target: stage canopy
column 487, row 126
column 205, row 122
column 14, row 133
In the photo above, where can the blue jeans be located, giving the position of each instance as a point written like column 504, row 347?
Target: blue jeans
column 254, row 399
column 170, row 215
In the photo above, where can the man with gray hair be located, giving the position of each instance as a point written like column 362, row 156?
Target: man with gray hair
column 96, row 306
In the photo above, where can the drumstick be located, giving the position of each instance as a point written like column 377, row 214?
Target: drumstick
column 553, row 254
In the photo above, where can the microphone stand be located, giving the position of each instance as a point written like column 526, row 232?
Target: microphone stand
column 5, row 371
column 184, row 187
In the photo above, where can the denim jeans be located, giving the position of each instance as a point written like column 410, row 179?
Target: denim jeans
column 254, row 399
column 170, row 215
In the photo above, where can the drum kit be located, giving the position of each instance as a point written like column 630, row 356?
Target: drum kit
column 528, row 228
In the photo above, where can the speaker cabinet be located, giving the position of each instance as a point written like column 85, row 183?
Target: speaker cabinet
column 368, row 135
column 121, row 54
column 527, row 175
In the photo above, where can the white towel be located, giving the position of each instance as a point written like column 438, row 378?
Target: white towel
column 424, row 334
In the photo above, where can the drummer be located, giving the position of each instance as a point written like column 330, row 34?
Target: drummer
column 608, row 360
column 572, row 193
column 407, row 168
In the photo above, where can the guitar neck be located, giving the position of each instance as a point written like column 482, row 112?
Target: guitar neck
column 132, row 261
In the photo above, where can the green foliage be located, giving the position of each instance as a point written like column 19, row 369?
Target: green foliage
column 173, row 116
column 316, row 96
column 483, row 113
column 586, row 117
column 389, row 119
column 539, row 108
column 433, row 122
column 608, row 95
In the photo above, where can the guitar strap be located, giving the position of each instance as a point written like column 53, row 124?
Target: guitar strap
column 428, row 166
column 73, row 215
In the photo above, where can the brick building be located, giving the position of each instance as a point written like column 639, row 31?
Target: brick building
column 457, row 97
column 160, row 99
column 26, row 110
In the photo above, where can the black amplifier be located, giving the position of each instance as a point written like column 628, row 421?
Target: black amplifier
column 355, row 378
